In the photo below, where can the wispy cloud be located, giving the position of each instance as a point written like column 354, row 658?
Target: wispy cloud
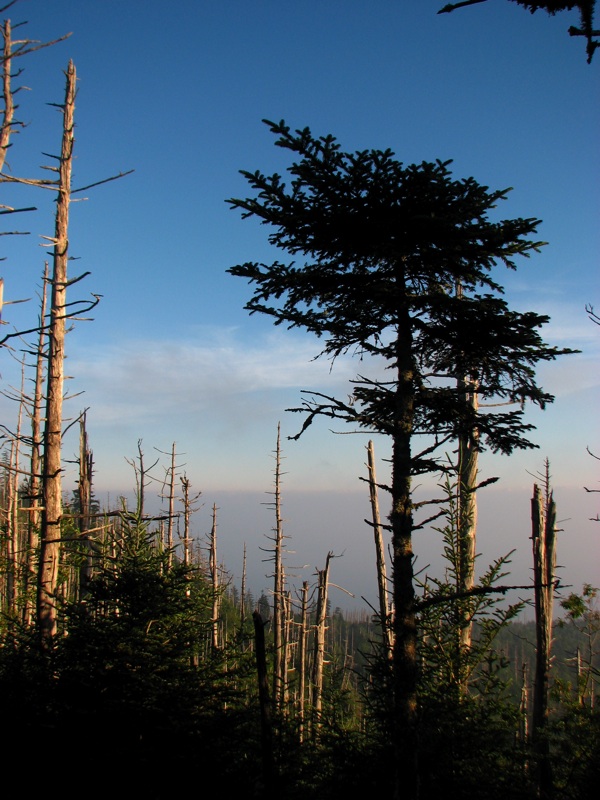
column 149, row 378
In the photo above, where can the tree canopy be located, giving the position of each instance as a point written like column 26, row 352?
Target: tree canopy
column 586, row 16
column 400, row 252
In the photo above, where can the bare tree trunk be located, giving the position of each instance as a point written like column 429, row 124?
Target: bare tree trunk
column 243, row 591
column 51, row 481
column 302, row 666
column 214, row 571
column 185, row 483
column 24, row 47
column 14, row 543
column 285, row 648
column 171, row 506
column 36, row 456
column 319, row 654
column 384, row 606
column 543, row 517
column 524, row 705
column 84, row 489
column 9, row 105
column 278, row 584
column 468, row 457
column 141, row 478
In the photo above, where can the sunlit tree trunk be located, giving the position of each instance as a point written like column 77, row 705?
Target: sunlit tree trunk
column 278, row 585
column 468, row 456
column 185, row 483
column 9, row 106
column 35, row 468
column 543, row 518
column 12, row 555
column 302, row 655
column 51, row 481
column 319, row 652
column 382, row 581
column 171, row 520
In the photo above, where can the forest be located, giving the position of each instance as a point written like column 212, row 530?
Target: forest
column 132, row 661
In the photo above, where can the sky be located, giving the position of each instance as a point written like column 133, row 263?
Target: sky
column 177, row 94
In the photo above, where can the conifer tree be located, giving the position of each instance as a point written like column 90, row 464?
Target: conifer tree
column 384, row 246
column 586, row 10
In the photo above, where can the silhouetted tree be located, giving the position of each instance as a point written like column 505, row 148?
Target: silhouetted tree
column 387, row 245
column 586, row 15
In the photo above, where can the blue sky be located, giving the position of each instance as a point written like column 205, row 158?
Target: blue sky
column 177, row 93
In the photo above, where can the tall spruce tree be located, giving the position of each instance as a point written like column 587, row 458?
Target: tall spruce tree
column 385, row 248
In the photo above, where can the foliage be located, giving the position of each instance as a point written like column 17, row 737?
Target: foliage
column 469, row 748
column 133, row 672
column 574, row 736
column 586, row 16
column 388, row 244
column 583, row 617
column 446, row 661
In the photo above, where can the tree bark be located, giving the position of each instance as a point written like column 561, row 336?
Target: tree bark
column 384, row 606
column 214, row 571
column 35, row 504
column 185, row 483
column 9, row 106
column 86, row 466
column 278, row 585
column 404, row 616
column 303, row 650
column 543, row 518
column 319, row 653
column 52, row 495
column 468, row 457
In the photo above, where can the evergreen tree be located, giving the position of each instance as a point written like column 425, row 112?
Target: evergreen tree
column 133, row 684
column 586, row 10
column 398, row 267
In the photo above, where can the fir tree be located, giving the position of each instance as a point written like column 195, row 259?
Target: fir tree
column 398, row 267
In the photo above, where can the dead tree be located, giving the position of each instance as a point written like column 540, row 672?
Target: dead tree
column 468, row 456
column 170, row 496
column 543, row 518
column 171, row 519
column 319, row 650
column 302, row 656
column 278, row 582
column 382, row 581
column 52, row 468
column 60, row 312
column 13, row 49
column 35, row 465
column 9, row 105
column 185, row 483
column 84, row 492
column 214, row 572
column 142, row 479
column 243, row 591
column 286, row 645
column 13, row 545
